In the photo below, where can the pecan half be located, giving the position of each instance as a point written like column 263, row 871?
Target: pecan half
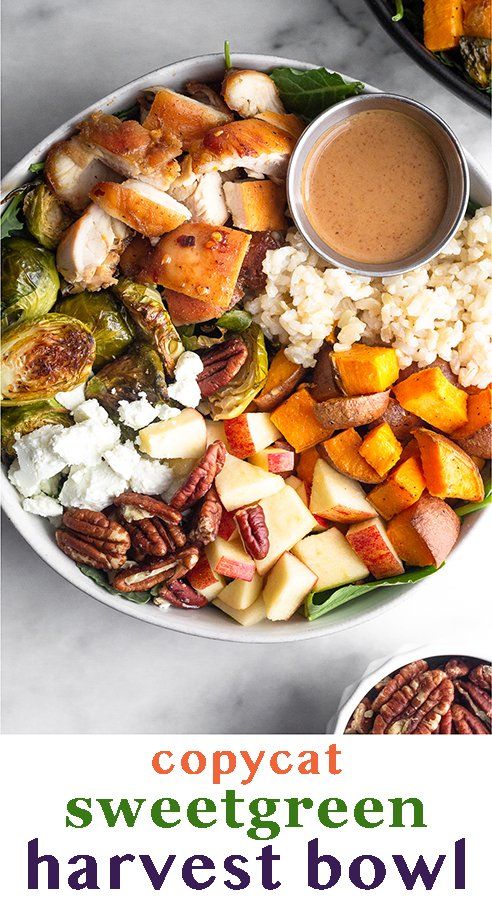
column 253, row 530
column 362, row 718
column 149, row 538
column 446, row 724
column 466, row 722
column 404, row 676
column 201, row 478
column 207, row 523
column 456, row 668
column 180, row 594
column 417, row 707
column 130, row 501
column 482, row 676
column 146, row 576
column 220, row 365
column 90, row 538
column 479, row 701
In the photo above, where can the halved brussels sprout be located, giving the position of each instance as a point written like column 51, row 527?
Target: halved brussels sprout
column 105, row 319
column 24, row 419
column 30, row 281
column 123, row 379
column 43, row 356
column 247, row 383
column 146, row 308
column 45, row 216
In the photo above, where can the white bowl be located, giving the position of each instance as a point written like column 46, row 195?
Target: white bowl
column 38, row 532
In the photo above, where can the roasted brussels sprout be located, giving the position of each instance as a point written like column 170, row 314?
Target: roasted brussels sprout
column 154, row 322
column 123, row 379
column 24, row 419
column 30, row 281
column 43, row 356
column 476, row 55
column 106, row 320
column 247, row 383
column 45, row 216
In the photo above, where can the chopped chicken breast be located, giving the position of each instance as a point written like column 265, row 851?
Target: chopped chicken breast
column 72, row 169
column 134, row 256
column 255, row 145
column 288, row 122
column 131, row 150
column 89, row 250
column 186, row 310
column 183, row 117
column 205, row 94
column 186, row 182
column 207, row 202
column 143, row 207
column 248, row 93
column 256, row 205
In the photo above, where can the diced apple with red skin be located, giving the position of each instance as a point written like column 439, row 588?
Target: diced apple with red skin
column 241, row 594
column 286, row 586
column 240, row 484
column 227, row 527
column 288, row 520
column 229, row 558
column 374, row 548
column 274, row 459
column 331, row 558
column 247, row 617
column 205, row 580
column 250, row 432
column 301, row 488
column 336, row 497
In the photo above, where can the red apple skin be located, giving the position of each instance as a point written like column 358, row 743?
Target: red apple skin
column 325, row 523
column 345, row 514
column 368, row 542
column 201, row 576
column 232, row 568
column 281, row 461
column 227, row 527
column 238, row 436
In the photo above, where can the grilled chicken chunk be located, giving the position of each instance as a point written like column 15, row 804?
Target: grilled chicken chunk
column 130, row 149
column 71, row 170
column 183, row 117
column 206, row 94
column 288, row 122
column 135, row 255
column 186, row 310
column 200, row 260
column 255, row 145
column 248, row 93
column 186, row 182
column 207, row 202
column 256, row 205
column 143, row 207
column 89, row 250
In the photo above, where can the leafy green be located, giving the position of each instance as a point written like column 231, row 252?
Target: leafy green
column 400, row 11
column 99, row 578
column 474, row 507
column 310, row 92
column 132, row 112
column 318, row 604
column 36, row 167
column 248, row 381
column 235, row 320
column 10, row 221
column 227, row 55
column 472, row 208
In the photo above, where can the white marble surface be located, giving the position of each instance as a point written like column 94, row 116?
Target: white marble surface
column 71, row 664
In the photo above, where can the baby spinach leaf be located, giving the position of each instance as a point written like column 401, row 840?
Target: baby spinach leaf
column 309, row 93
column 10, row 221
column 36, row 167
column 235, row 320
column 99, row 578
column 473, row 507
column 318, row 604
column 132, row 112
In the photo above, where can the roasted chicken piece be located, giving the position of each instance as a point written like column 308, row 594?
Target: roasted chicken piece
column 256, row 205
column 206, row 94
column 134, row 256
column 288, row 122
column 183, row 117
column 71, row 170
column 89, row 250
column 189, row 311
column 252, row 277
column 200, row 260
column 130, row 149
column 207, row 201
column 255, row 145
column 143, row 207
column 248, row 93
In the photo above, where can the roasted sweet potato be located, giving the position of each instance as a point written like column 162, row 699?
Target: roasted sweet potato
column 325, row 385
column 431, row 396
column 350, row 412
column 297, row 421
column 448, row 470
column 381, row 449
column 399, row 420
column 307, row 462
column 401, row 490
column 476, row 18
column 342, row 451
column 366, row 370
column 283, row 377
column 437, row 364
column 476, row 436
column 443, row 24
column 424, row 534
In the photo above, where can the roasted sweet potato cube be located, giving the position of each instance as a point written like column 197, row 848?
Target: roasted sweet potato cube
column 366, row 370
column 342, row 450
column 403, row 487
column 283, row 377
column 381, row 449
column 429, row 395
column 448, row 470
column 307, row 462
column 476, row 436
column 424, row 534
column 296, row 420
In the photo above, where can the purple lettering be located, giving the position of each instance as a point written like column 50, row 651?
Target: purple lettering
column 356, row 877
column 198, row 863
column 33, row 862
column 156, row 878
column 314, row 861
column 421, row 870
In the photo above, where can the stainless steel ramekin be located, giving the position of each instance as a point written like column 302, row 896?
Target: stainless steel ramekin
column 454, row 161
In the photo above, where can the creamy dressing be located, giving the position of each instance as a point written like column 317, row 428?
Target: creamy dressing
column 375, row 187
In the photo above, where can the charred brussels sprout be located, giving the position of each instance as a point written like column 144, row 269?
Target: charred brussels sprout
column 24, row 419
column 105, row 319
column 138, row 370
column 30, row 281
column 476, row 55
column 45, row 217
column 43, row 356
column 146, row 308
column 247, row 383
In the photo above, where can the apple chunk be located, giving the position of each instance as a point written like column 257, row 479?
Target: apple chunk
column 205, row 580
column 286, row 586
column 240, row 484
column 215, row 432
column 227, row 527
column 230, row 559
column 250, row 432
column 331, row 558
column 247, row 617
column 288, row 520
column 374, row 548
column 336, row 497
column 182, row 437
column 241, row 594
column 274, row 459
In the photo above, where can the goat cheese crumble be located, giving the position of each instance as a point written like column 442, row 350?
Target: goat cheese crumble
column 42, row 505
column 92, row 487
column 186, row 389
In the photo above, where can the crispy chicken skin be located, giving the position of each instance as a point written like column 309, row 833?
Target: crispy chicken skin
column 251, row 143
column 248, row 93
column 89, row 250
column 256, row 205
column 200, row 260
column 71, row 170
column 141, row 206
column 132, row 150
column 288, row 122
column 183, row 117
column 135, row 256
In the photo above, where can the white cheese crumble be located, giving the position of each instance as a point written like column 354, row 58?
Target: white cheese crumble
column 185, row 389
column 90, row 411
column 123, row 459
column 42, row 505
column 137, row 413
column 85, row 442
column 71, row 399
column 92, row 487
column 151, row 477
column 36, row 460
column 167, row 412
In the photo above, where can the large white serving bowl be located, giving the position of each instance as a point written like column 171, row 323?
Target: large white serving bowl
column 38, row 532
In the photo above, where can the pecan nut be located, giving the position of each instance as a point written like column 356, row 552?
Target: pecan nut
column 446, row 724
column 149, row 538
column 132, row 504
column 207, row 522
column 479, row 701
column 253, row 530
column 180, row 594
column 148, row 575
column 394, row 684
column 417, row 707
column 482, row 676
column 201, row 478
column 220, row 365
column 466, row 722
column 90, row 538
column 456, row 668
column 362, row 718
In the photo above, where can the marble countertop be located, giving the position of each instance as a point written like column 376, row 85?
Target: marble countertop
column 71, row 664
